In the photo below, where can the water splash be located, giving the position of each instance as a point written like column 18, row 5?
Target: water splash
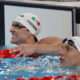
column 38, row 67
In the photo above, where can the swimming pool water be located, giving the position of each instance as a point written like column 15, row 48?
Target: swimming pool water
column 34, row 67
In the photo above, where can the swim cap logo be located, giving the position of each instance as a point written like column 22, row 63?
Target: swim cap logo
column 34, row 19
column 32, row 24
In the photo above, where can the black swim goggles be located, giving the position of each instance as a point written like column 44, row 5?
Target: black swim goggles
column 69, row 41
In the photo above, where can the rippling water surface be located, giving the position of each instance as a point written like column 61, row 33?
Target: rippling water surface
column 29, row 67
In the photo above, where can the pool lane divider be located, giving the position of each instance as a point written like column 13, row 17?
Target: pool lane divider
column 6, row 54
column 59, row 77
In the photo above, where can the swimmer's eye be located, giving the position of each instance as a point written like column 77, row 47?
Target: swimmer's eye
column 17, row 26
column 67, row 48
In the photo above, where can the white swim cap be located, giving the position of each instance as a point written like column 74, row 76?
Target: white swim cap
column 76, row 41
column 30, row 21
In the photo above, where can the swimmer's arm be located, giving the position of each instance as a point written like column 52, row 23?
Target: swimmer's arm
column 51, row 49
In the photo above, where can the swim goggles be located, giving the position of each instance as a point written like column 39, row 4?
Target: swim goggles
column 17, row 26
column 69, row 41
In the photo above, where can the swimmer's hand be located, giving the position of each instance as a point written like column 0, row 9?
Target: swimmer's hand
column 23, row 50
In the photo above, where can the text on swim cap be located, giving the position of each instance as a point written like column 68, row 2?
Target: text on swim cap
column 32, row 24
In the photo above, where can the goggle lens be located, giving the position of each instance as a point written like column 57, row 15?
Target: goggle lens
column 17, row 26
column 70, row 42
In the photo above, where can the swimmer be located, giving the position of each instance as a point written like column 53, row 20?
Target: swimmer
column 24, row 30
column 70, row 52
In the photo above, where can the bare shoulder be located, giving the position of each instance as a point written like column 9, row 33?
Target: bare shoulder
column 50, row 40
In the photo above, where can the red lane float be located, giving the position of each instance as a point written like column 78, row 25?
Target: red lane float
column 5, row 54
column 1, row 54
column 72, row 77
column 34, row 78
column 60, row 77
column 21, row 79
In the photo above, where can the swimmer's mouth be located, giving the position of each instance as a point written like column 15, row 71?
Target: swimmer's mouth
column 61, row 60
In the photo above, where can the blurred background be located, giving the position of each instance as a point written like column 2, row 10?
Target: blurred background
column 44, row 0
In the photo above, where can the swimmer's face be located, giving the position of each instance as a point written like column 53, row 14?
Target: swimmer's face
column 19, row 33
column 70, row 56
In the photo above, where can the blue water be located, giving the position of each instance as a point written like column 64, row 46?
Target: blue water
column 29, row 67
